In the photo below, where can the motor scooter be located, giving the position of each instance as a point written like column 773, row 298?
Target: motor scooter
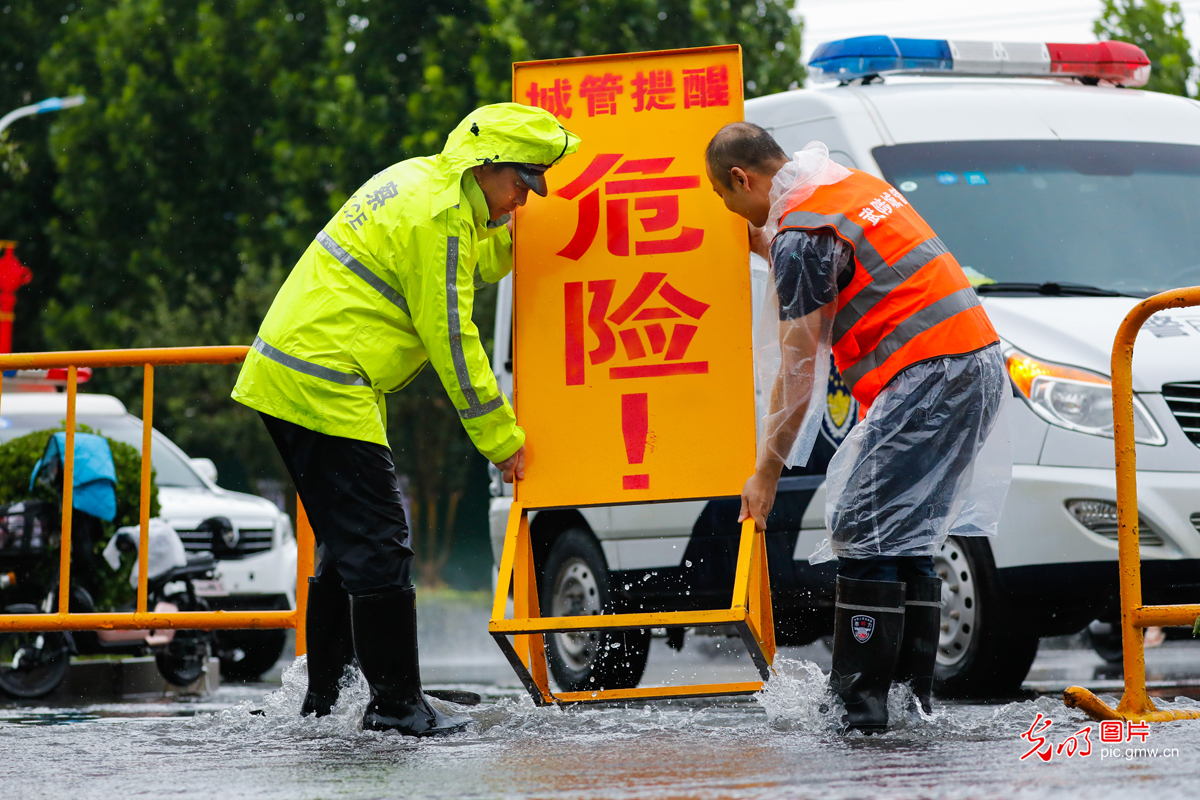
column 33, row 664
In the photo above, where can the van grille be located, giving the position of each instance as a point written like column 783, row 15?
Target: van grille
column 1184, row 401
column 251, row 541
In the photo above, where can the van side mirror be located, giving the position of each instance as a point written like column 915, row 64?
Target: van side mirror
column 206, row 468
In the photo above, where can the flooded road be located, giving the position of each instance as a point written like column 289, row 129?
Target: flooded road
column 779, row 744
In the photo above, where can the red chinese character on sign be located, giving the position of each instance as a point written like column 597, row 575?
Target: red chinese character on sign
column 706, row 87
column 664, row 206
column 1071, row 744
column 1112, row 731
column 555, row 99
column 654, row 91
column 638, row 322
column 1037, row 739
column 601, row 93
column 1140, row 730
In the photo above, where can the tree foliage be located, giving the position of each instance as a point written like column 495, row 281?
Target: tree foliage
column 1157, row 28
column 28, row 176
column 220, row 135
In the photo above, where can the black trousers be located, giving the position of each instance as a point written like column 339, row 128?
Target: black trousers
column 887, row 568
column 352, row 497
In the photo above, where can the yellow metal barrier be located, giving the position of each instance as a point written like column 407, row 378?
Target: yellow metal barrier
column 141, row 619
column 750, row 613
column 1135, row 703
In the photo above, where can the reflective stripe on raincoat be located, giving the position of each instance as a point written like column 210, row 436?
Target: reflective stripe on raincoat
column 388, row 285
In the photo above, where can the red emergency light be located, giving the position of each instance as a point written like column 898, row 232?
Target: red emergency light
column 1117, row 62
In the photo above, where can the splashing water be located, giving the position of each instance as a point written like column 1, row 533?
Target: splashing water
column 798, row 698
column 279, row 711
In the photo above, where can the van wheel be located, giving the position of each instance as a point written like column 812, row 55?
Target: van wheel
column 984, row 650
column 1106, row 639
column 245, row 655
column 575, row 582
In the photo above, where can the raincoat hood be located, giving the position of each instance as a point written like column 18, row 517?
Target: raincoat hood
column 507, row 132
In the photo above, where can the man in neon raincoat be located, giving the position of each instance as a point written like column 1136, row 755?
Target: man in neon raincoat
column 386, row 287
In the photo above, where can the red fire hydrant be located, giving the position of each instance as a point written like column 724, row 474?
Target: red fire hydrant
column 13, row 275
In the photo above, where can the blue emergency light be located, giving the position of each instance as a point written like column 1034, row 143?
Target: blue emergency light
column 844, row 60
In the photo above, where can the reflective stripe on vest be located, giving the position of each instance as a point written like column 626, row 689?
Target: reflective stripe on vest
column 906, row 331
column 358, row 268
column 454, row 325
column 307, row 367
column 892, row 309
column 884, row 276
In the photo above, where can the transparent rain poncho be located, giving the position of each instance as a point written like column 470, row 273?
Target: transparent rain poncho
column 932, row 456
column 791, row 358
column 931, row 459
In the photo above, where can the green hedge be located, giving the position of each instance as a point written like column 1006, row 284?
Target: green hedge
column 17, row 459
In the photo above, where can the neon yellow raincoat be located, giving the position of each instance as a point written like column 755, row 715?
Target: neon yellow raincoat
column 388, row 285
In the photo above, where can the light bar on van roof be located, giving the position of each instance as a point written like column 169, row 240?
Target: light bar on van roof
column 57, row 376
column 1112, row 62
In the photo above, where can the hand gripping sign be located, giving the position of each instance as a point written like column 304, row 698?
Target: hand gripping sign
column 633, row 363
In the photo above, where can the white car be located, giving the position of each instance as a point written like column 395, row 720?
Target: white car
column 256, row 560
column 1066, row 203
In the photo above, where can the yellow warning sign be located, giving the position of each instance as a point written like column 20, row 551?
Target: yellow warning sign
column 631, row 298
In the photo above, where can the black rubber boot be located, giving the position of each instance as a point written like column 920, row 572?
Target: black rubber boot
column 385, row 641
column 330, row 646
column 868, row 628
column 922, row 630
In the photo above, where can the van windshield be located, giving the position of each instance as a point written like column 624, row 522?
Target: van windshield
column 1120, row 216
column 169, row 468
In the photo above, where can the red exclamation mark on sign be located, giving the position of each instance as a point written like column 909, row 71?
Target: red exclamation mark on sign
column 635, row 425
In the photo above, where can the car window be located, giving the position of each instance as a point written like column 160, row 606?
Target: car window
column 1120, row 216
column 170, row 469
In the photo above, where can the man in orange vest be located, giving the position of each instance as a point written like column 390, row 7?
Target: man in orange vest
column 856, row 271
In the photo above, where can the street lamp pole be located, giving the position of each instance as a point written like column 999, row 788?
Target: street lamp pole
column 46, row 106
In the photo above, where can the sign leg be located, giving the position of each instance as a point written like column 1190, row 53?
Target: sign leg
column 530, row 647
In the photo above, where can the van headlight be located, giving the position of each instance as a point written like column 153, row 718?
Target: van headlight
column 1075, row 399
column 283, row 529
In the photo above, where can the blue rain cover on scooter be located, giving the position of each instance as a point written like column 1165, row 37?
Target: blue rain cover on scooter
column 95, row 490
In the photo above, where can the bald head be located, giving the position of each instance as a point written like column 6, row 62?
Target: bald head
column 746, row 146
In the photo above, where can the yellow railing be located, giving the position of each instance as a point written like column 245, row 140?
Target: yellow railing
column 1135, row 703
column 141, row 618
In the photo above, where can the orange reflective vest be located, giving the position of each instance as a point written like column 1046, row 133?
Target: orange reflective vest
column 909, row 300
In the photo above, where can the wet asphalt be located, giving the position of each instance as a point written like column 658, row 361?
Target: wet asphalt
column 778, row 744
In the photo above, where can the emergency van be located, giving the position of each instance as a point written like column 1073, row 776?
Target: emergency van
column 255, row 551
column 1067, row 197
